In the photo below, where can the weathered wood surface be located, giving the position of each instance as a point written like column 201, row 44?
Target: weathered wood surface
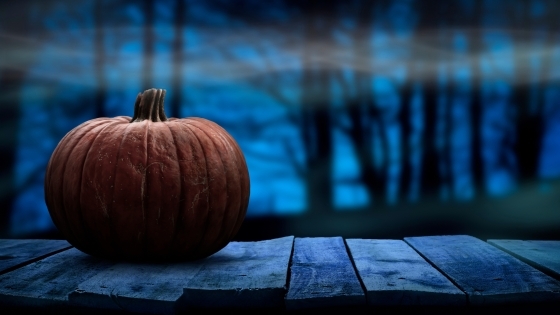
column 18, row 253
column 48, row 281
column 139, row 287
column 245, row 274
column 543, row 255
column 394, row 274
column 485, row 273
column 322, row 275
column 254, row 275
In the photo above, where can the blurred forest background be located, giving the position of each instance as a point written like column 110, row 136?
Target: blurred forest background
column 356, row 118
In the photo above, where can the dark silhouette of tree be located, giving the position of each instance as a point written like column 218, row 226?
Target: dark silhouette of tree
column 14, row 23
column 473, row 19
column 360, row 107
column 529, row 95
column 432, row 23
column 406, row 93
column 99, row 58
column 178, row 55
column 149, row 39
column 316, row 111
column 548, row 87
column 447, row 93
column 398, row 22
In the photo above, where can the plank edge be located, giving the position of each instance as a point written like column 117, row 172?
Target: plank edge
column 30, row 261
column 544, row 269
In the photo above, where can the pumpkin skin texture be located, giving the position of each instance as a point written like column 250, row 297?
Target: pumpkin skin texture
column 147, row 187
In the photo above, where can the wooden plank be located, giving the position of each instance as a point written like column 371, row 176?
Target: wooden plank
column 242, row 274
column 135, row 287
column 485, row 273
column 322, row 275
column 17, row 253
column 394, row 274
column 48, row 281
column 248, row 275
column 543, row 255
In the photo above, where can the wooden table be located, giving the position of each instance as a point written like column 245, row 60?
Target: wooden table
column 287, row 275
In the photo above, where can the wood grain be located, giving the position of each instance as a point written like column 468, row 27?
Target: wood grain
column 394, row 274
column 136, row 287
column 241, row 274
column 322, row 275
column 543, row 255
column 485, row 273
column 48, row 281
column 246, row 274
column 17, row 253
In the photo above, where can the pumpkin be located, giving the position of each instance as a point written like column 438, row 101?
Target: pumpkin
column 147, row 187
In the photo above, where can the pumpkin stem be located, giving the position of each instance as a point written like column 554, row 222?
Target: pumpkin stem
column 149, row 105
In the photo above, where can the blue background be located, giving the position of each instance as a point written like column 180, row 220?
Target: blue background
column 368, row 110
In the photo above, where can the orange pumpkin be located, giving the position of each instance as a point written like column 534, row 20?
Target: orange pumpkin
column 148, row 187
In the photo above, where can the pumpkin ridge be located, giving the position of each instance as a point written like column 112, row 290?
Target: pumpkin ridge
column 64, row 226
column 189, row 214
column 143, row 191
column 241, row 208
column 227, row 234
column 128, row 219
column 158, row 191
column 231, row 207
column 227, row 207
column 107, row 244
column 231, row 140
column 242, row 178
column 235, row 153
column 56, row 217
column 207, row 188
column 89, row 235
column 181, row 194
column 112, row 235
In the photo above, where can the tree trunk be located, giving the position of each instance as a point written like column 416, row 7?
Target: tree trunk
column 360, row 103
column 147, row 73
column 100, row 93
column 178, row 64
column 433, row 92
column 316, row 111
column 476, row 90
column 11, row 81
column 529, row 98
